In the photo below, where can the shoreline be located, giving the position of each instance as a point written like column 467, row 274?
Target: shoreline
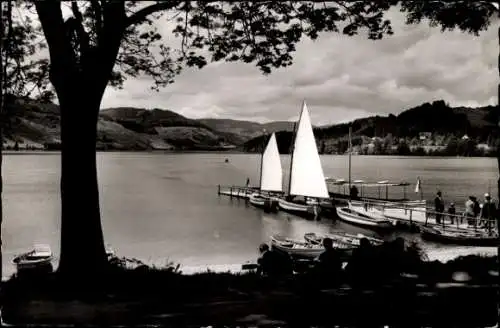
column 442, row 255
column 230, row 152
column 427, row 293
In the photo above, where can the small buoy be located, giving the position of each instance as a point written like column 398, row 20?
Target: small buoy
column 227, row 160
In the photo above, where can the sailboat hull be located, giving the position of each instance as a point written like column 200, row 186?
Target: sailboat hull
column 268, row 204
column 308, row 211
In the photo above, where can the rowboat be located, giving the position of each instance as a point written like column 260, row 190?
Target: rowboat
column 40, row 256
column 340, row 236
column 459, row 236
column 303, row 249
column 364, row 218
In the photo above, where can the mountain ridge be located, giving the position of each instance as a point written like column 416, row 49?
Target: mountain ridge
column 37, row 125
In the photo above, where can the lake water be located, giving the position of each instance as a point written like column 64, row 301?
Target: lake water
column 159, row 207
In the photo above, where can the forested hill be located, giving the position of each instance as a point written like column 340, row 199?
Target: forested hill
column 432, row 125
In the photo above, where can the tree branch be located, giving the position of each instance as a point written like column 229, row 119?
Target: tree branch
column 141, row 15
column 51, row 19
column 96, row 7
column 80, row 30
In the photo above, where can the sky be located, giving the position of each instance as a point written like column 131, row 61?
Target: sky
column 341, row 78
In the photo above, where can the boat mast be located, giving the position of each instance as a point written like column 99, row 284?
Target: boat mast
column 350, row 151
column 261, row 161
column 292, row 148
column 291, row 157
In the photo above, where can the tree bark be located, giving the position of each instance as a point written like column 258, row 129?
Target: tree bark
column 498, row 182
column 2, row 29
column 82, row 244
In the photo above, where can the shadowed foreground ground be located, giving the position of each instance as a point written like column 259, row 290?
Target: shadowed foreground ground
column 163, row 296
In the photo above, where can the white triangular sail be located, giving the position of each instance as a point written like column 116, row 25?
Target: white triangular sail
column 306, row 178
column 271, row 173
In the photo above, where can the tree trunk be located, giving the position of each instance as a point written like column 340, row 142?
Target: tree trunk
column 82, row 246
column 498, row 182
column 2, row 99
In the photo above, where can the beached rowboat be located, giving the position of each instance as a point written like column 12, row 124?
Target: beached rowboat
column 40, row 256
column 298, row 248
column 340, row 236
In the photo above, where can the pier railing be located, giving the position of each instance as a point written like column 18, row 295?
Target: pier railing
column 410, row 212
column 428, row 217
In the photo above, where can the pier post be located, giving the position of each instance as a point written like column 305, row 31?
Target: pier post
column 231, row 192
column 411, row 214
column 218, row 190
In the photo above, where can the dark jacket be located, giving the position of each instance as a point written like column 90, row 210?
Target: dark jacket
column 438, row 204
column 489, row 210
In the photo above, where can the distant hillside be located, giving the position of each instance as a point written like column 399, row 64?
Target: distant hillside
column 246, row 130
column 35, row 124
column 438, row 118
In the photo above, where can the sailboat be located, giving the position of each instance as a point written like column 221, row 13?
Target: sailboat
column 271, row 178
column 306, row 173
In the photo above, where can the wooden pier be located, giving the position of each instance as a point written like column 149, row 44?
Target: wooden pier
column 236, row 191
column 406, row 214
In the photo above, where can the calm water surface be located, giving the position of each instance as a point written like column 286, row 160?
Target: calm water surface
column 159, row 207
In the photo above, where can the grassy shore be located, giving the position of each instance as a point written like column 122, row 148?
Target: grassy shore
column 458, row 292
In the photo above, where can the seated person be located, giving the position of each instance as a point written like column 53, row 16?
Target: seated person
column 273, row 263
column 329, row 264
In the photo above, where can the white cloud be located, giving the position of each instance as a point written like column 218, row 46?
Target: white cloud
column 341, row 78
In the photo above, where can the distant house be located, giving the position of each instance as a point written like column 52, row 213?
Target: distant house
column 424, row 135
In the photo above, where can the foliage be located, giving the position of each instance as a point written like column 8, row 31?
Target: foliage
column 467, row 16
column 263, row 32
column 25, row 73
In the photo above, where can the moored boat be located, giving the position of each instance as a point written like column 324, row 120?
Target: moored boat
column 39, row 257
column 268, row 203
column 364, row 218
column 271, row 177
column 303, row 249
column 306, row 173
column 341, row 236
column 463, row 237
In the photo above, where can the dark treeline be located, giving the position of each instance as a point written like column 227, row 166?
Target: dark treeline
column 428, row 129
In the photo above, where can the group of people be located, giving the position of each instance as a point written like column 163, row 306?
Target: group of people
column 476, row 214
column 329, row 268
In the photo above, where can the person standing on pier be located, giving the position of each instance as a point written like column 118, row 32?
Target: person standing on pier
column 354, row 192
column 469, row 210
column 438, row 206
column 452, row 212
